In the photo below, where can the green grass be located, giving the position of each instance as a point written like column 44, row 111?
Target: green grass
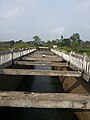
column 4, row 47
column 68, row 49
column 87, row 51
column 21, row 45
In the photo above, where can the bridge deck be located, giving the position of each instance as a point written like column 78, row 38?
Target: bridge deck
column 41, row 63
column 40, row 72
column 40, row 55
column 43, row 59
column 44, row 100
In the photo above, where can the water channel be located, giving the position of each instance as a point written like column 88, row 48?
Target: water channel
column 39, row 84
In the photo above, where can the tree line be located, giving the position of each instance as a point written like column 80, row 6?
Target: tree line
column 74, row 43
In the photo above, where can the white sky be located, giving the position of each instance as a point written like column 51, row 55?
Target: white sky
column 49, row 19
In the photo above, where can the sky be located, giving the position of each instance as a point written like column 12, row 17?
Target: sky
column 49, row 19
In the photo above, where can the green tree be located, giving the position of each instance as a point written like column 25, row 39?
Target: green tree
column 75, row 45
column 12, row 43
column 65, row 42
column 36, row 41
column 75, row 37
column 61, row 36
column 49, row 44
column 75, row 42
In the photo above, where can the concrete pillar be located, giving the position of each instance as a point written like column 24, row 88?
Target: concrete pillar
column 84, row 61
column 20, row 54
column 12, row 55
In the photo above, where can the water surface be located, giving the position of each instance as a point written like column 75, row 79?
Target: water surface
column 39, row 84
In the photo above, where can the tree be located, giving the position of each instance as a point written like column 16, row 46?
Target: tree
column 61, row 36
column 75, row 37
column 36, row 40
column 12, row 43
column 54, row 42
column 75, row 41
column 75, row 45
column 20, row 41
column 65, row 42
column 49, row 44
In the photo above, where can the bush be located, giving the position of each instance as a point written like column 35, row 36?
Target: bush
column 87, row 51
column 68, row 49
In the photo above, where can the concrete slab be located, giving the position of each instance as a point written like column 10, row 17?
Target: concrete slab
column 45, row 100
column 41, row 63
column 40, row 72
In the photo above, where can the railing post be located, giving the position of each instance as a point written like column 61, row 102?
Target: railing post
column 28, row 52
column 20, row 54
column 70, row 57
column 84, row 61
column 12, row 56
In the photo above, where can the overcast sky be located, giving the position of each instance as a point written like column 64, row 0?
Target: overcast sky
column 49, row 19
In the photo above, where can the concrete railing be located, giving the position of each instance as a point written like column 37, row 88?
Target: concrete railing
column 78, row 61
column 11, row 55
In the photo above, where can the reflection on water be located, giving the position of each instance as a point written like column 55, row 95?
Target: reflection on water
column 45, row 83
column 39, row 84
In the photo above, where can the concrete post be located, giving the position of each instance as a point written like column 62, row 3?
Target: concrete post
column 12, row 55
column 20, row 54
column 84, row 61
column 28, row 50
column 70, row 57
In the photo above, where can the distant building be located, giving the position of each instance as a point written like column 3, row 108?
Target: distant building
column 54, row 46
column 43, row 48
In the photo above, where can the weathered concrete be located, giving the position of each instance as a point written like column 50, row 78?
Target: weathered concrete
column 70, row 84
column 40, row 72
column 45, row 100
column 41, row 63
column 42, row 59
column 76, row 60
column 12, row 55
column 79, row 86
column 44, row 51
column 40, row 55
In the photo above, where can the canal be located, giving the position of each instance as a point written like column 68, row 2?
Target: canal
column 39, row 84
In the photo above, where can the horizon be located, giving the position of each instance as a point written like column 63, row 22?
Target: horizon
column 24, row 19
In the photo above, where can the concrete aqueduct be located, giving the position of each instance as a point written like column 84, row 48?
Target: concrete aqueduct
column 72, row 69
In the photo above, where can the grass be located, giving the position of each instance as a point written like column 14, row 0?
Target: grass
column 68, row 49
column 87, row 51
column 4, row 47
column 21, row 45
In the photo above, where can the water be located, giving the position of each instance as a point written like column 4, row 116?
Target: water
column 39, row 84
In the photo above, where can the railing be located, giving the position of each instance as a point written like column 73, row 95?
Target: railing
column 14, row 54
column 78, row 61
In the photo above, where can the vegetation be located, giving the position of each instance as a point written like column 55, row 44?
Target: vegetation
column 11, row 44
column 65, row 48
column 36, row 41
column 87, row 51
column 74, row 43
